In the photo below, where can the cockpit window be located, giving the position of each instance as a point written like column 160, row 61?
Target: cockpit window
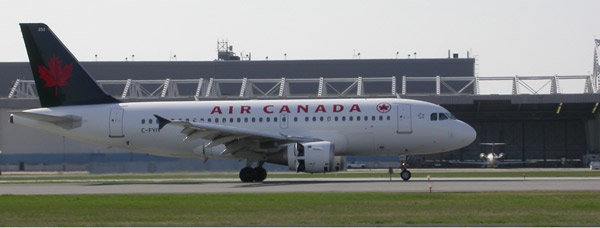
column 443, row 116
column 434, row 116
column 450, row 116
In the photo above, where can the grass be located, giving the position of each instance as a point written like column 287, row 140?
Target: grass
column 305, row 209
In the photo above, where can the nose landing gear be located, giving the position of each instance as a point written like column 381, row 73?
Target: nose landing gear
column 405, row 174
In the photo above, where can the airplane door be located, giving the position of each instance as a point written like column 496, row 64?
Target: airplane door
column 404, row 118
column 116, row 123
column 283, row 121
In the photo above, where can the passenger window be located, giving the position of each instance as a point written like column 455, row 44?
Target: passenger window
column 274, row 119
column 358, row 118
column 366, row 118
column 388, row 118
column 433, row 116
column 380, row 118
column 246, row 120
column 329, row 118
column 268, row 119
column 373, row 118
column 283, row 119
column 335, row 118
column 314, row 118
column 253, row 119
column 150, row 121
column 224, row 120
column 321, row 119
column 231, row 120
column 216, row 120
column 350, row 118
column 239, row 119
column 295, row 119
column 343, row 118
column 260, row 119
column 306, row 119
column 209, row 120
column 143, row 121
column 187, row 119
column 443, row 116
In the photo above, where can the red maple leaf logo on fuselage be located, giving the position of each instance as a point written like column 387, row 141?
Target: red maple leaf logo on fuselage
column 383, row 107
column 56, row 75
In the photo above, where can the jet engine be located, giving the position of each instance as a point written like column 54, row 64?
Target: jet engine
column 482, row 156
column 312, row 157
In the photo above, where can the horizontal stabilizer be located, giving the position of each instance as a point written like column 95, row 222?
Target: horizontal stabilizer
column 66, row 122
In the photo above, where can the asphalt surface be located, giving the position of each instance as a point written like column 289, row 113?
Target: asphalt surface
column 208, row 186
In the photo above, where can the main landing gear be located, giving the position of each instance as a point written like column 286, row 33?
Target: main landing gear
column 249, row 174
column 405, row 174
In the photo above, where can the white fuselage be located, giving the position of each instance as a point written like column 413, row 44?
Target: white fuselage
column 357, row 127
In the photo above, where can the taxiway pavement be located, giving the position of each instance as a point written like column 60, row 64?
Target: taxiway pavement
column 208, row 186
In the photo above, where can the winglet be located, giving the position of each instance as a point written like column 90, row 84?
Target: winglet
column 162, row 121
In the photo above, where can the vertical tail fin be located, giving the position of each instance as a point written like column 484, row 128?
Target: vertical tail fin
column 59, row 78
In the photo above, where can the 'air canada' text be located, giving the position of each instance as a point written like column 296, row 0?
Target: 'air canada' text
column 270, row 109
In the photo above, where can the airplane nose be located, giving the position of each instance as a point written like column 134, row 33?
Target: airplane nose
column 468, row 134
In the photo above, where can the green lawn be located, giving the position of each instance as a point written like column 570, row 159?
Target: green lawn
column 305, row 209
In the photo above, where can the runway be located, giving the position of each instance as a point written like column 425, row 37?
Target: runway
column 416, row 185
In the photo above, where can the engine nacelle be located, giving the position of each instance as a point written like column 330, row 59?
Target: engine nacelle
column 483, row 156
column 314, row 157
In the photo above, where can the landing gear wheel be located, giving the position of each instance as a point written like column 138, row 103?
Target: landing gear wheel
column 261, row 174
column 405, row 175
column 247, row 174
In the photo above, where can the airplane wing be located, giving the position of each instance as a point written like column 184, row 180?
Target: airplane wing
column 234, row 138
column 468, row 163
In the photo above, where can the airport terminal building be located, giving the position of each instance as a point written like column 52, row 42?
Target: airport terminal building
column 547, row 128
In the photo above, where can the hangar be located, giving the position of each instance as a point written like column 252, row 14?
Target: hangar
column 536, row 120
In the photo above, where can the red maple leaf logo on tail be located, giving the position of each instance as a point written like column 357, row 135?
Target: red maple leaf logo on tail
column 56, row 75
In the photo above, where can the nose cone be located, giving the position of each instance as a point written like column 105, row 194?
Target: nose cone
column 466, row 135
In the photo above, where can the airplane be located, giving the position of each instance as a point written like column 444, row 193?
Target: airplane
column 307, row 135
column 492, row 160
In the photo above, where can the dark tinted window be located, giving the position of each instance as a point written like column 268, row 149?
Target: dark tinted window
column 433, row 116
column 443, row 116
